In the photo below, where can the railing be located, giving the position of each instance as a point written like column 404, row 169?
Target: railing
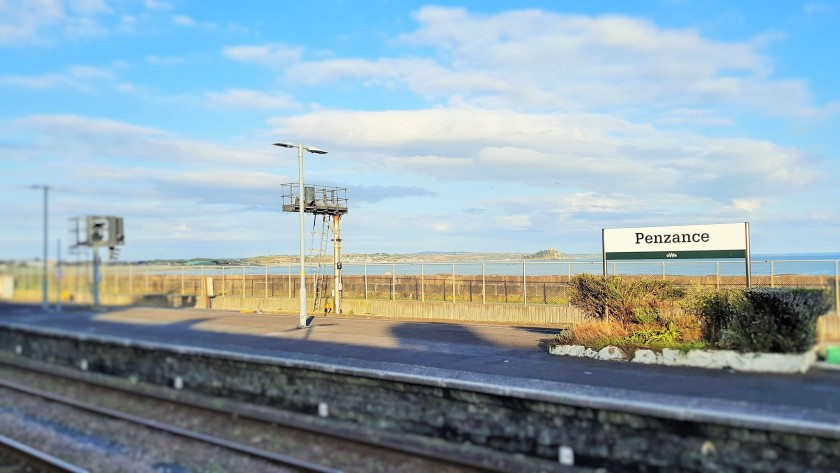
column 511, row 282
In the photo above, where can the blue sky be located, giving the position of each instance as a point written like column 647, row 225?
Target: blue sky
column 456, row 126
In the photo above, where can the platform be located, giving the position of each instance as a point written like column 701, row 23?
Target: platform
column 512, row 357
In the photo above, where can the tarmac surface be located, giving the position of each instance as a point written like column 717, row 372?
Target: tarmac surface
column 503, row 356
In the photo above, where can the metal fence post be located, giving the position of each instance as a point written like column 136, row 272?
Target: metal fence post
column 224, row 282
column 453, row 283
column 837, row 287
column 772, row 275
column 202, row 291
column 483, row 283
column 265, row 281
column 290, row 281
column 422, row 283
column 524, row 285
column 115, row 289
column 366, row 286
column 393, row 281
column 243, row 282
column 570, row 272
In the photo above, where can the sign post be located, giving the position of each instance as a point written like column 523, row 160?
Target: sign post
column 716, row 241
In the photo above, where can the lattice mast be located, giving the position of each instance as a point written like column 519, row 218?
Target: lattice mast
column 330, row 202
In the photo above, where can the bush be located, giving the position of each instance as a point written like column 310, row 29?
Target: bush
column 780, row 320
column 716, row 310
column 629, row 301
column 762, row 320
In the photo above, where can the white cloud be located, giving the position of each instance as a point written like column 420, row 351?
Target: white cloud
column 819, row 8
column 591, row 152
column 88, row 139
column 41, row 22
column 183, row 20
column 157, row 5
column 272, row 55
column 82, row 78
column 693, row 116
column 245, row 98
column 533, row 59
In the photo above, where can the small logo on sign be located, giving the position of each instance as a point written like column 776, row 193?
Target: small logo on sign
column 671, row 255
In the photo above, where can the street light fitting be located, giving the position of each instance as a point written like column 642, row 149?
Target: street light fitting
column 311, row 149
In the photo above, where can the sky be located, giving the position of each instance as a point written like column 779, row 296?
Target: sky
column 480, row 126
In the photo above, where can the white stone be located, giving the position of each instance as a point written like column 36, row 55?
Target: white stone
column 576, row 350
column 754, row 362
column 568, row 350
column 647, row 357
column 774, row 362
column 611, row 353
column 590, row 353
column 707, row 359
column 672, row 357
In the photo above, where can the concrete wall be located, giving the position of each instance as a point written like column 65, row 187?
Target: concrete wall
column 828, row 328
column 543, row 315
column 7, row 287
column 617, row 435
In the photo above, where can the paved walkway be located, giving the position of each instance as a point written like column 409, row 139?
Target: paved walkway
column 508, row 356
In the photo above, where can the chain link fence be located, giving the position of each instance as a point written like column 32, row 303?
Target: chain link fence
column 506, row 282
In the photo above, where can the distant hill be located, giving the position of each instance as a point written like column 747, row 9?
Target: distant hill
column 549, row 254
column 425, row 256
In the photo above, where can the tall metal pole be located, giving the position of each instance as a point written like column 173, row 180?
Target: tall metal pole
column 94, row 287
column 337, row 257
column 58, row 277
column 748, row 261
column 44, row 280
column 301, row 210
column 837, row 287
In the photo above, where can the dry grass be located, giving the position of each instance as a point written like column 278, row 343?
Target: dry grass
column 676, row 331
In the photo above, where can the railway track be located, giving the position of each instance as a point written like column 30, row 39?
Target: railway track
column 17, row 457
column 437, row 462
column 285, row 460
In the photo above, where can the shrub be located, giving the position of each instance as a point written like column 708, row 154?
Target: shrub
column 762, row 320
column 780, row 320
column 629, row 300
column 716, row 309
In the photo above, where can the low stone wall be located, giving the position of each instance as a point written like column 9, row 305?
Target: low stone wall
column 714, row 359
column 581, row 430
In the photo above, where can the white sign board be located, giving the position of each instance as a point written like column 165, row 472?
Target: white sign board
column 728, row 240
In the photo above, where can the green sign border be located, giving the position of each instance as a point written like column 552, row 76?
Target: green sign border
column 701, row 254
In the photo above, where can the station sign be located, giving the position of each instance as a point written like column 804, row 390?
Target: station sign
column 717, row 241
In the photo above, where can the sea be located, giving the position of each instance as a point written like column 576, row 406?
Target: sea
column 810, row 264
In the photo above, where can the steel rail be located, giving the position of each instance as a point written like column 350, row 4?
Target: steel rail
column 33, row 456
column 336, row 433
column 172, row 429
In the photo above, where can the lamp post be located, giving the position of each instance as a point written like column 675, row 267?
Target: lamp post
column 44, row 280
column 301, row 211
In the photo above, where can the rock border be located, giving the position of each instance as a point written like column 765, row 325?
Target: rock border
column 719, row 359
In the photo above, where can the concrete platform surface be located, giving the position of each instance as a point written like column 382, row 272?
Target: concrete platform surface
column 515, row 357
